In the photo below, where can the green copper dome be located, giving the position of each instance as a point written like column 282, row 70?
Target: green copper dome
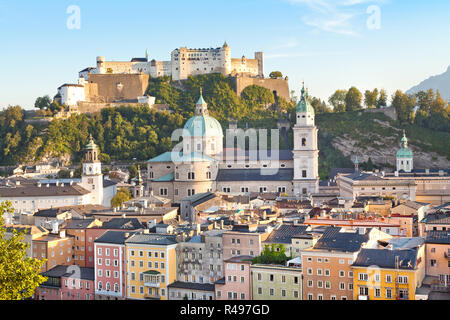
column 404, row 153
column 304, row 105
column 91, row 145
column 204, row 126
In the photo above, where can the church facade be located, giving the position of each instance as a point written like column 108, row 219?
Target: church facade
column 201, row 163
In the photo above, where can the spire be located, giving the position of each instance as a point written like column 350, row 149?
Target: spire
column 146, row 53
column 139, row 177
column 356, row 162
column 201, row 105
column 404, row 140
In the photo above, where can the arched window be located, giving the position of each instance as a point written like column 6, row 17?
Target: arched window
column 108, row 286
column 100, row 287
column 304, row 142
column 116, row 287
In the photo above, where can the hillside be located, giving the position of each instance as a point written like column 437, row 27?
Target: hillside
column 375, row 136
column 439, row 82
column 125, row 133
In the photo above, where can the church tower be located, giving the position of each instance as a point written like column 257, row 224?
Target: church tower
column 138, row 190
column 92, row 177
column 306, row 152
column 404, row 156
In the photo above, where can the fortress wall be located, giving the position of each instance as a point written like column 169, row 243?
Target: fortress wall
column 281, row 86
column 134, row 85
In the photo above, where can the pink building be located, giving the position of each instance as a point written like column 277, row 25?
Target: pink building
column 437, row 255
column 110, row 265
column 245, row 242
column 115, row 224
column 67, row 283
column 237, row 283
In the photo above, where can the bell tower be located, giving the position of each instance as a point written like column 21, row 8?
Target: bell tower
column 306, row 152
column 92, row 177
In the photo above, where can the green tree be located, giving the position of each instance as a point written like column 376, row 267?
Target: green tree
column 404, row 106
column 320, row 106
column 275, row 75
column 382, row 99
column 123, row 195
column 19, row 275
column 371, row 98
column 353, row 99
column 43, row 103
column 337, row 100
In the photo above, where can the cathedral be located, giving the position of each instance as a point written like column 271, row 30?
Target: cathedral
column 202, row 164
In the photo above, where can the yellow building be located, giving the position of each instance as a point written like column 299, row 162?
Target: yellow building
column 385, row 274
column 151, row 265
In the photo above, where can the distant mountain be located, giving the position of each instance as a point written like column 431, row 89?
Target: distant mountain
column 440, row 82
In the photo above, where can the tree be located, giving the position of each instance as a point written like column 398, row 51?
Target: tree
column 19, row 275
column 257, row 97
column 353, row 99
column 42, row 103
column 320, row 106
column 382, row 99
column 371, row 98
column 404, row 106
column 275, row 75
column 337, row 100
column 133, row 171
column 123, row 195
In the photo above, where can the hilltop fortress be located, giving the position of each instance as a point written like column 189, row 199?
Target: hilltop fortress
column 113, row 83
column 185, row 62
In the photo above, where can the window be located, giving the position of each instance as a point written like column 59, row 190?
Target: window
column 259, row 291
column 402, row 279
column 244, row 189
column 226, row 189
column 271, row 278
column 388, row 278
column 271, row 291
column 433, row 263
column 259, row 276
column 304, row 174
column 310, row 284
column 319, row 284
column 342, row 286
column 377, row 293
column 389, row 293
column 319, row 272
column 310, row 271
column 363, row 276
column 363, row 291
column 190, row 192
column 341, row 273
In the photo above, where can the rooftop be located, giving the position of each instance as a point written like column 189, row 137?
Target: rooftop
column 192, row 286
column 438, row 236
column 255, row 175
column 335, row 240
column 67, row 271
column 385, row 258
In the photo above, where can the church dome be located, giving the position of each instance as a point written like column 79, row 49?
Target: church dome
column 404, row 153
column 304, row 105
column 204, row 126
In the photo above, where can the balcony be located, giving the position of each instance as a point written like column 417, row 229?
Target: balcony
column 151, row 297
column 152, row 279
column 360, row 297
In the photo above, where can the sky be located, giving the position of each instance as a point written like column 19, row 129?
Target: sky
column 390, row 44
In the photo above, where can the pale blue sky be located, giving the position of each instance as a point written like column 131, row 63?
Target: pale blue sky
column 326, row 43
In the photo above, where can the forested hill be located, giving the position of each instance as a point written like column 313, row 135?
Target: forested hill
column 125, row 133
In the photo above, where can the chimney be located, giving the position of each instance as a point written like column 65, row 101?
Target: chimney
column 198, row 229
column 17, row 183
column 57, row 183
column 221, row 224
column 62, row 234
column 39, row 184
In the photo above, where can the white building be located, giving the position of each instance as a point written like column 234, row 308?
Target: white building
column 32, row 196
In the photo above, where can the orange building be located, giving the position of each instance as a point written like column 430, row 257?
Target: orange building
column 437, row 255
column 327, row 271
column 77, row 229
column 56, row 248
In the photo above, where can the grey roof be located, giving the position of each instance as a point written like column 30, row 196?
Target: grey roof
column 385, row 258
column 415, row 204
column 78, row 223
column 437, row 218
column 199, row 198
column 43, row 191
column 108, row 183
column 139, row 60
column 116, row 237
column 123, row 224
column 63, row 271
column 192, row 286
column 405, row 243
column 362, row 176
column 285, row 233
column 438, row 236
column 156, row 239
column 334, row 240
column 51, row 213
column 243, row 259
column 255, row 175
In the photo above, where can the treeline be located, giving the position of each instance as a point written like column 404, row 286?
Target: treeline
column 425, row 108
